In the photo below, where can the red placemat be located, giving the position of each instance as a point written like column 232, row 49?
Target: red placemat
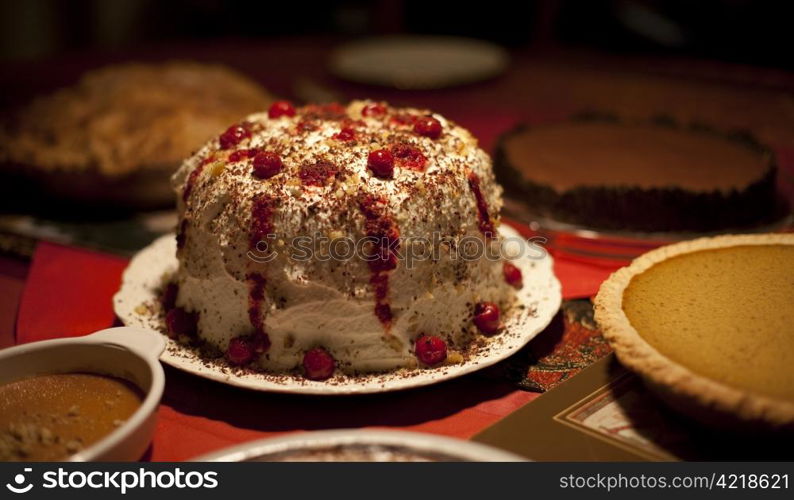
column 68, row 293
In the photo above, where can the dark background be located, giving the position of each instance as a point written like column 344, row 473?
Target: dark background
column 739, row 31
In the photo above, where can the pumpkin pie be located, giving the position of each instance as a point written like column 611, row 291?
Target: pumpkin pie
column 709, row 325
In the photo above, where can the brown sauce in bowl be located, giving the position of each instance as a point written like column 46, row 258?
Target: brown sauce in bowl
column 50, row 417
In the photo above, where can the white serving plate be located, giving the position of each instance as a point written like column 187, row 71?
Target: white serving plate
column 143, row 279
column 129, row 353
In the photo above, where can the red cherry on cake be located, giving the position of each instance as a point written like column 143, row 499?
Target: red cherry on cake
column 374, row 109
column 428, row 127
column 179, row 322
column 242, row 154
column 381, row 163
column 318, row 364
column 267, row 164
column 240, row 351
column 513, row 275
column 486, row 317
column 430, row 350
column 233, row 135
column 281, row 108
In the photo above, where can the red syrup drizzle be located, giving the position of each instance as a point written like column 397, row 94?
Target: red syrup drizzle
column 261, row 223
column 181, row 235
column 190, row 184
column 261, row 227
column 409, row 157
column 234, row 135
column 256, row 298
column 242, row 154
column 383, row 229
column 380, row 285
column 194, row 175
column 484, row 219
column 318, row 173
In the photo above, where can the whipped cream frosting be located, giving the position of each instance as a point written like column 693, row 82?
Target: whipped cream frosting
column 365, row 314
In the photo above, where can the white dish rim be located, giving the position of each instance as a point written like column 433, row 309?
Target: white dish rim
column 413, row 441
column 144, row 345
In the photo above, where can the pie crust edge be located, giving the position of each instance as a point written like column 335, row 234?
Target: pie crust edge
column 703, row 398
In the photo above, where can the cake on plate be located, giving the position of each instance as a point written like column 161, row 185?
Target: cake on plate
column 359, row 238
column 708, row 324
column 639, row 176
column 116, row 136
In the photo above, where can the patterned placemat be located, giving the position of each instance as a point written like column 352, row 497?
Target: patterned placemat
column 571, row 343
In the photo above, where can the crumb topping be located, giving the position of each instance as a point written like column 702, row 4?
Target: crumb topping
column 122, row 118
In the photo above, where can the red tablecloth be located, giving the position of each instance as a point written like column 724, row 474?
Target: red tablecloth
column 68, row 293
column 68, row 290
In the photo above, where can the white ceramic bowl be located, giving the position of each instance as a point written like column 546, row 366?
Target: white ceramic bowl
column 445, row 448
column 127, row 352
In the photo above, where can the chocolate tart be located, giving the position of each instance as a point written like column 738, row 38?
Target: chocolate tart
column 116, row 136
column 709, row 325
column 654, row 176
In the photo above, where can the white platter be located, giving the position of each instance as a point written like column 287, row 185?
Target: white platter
column 428, row 446
column 135, row 304
column 418, row 61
